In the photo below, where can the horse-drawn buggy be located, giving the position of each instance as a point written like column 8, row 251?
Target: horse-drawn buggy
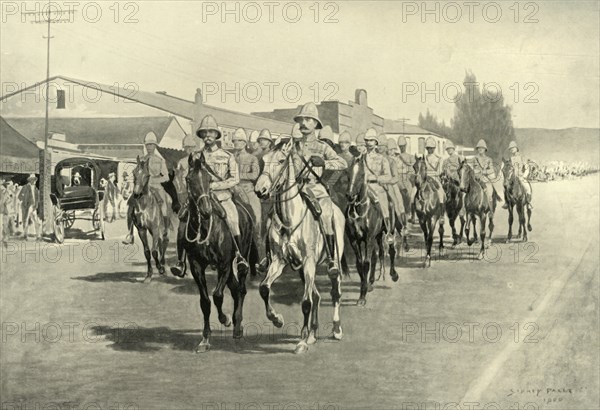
column 76, row 194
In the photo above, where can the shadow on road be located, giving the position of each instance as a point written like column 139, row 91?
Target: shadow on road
column 140, row 339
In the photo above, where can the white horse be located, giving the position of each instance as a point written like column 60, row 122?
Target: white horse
column 295, row 239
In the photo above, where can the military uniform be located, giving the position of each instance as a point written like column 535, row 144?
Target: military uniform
column 378, row 174
column 249, row 170
column 450, row 166
column 521, row 169
column 484, row 169
column 393, row 188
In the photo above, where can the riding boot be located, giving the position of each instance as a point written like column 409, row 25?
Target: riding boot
column 389, row 228
column 332, row 265
column 263, row 266
column 240, row 260
column 129, row 238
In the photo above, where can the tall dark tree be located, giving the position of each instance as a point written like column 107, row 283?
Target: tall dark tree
column 481, row 113
column 430, row 122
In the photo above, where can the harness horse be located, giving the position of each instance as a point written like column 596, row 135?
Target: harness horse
column 208, row 241
column 516, row 196
column 477, row 204
column 296, row 240
column 365, row 229
column 147, row 217
column 454, row 205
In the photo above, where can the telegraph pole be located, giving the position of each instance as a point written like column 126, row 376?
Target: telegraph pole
column 45, row 171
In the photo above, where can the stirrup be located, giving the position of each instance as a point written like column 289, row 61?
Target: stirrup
column 128, row 239
column 240, row 261
column 332, row 267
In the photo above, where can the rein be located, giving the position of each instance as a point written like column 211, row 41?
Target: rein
column 198, row 239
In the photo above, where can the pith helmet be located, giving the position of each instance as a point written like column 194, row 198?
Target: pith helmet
column 371, row 134
column 326, row 133
column 265, row 135
column 239, row 135
column 360, row 139
column 449, row 145
column 345, row 137
column 401, row 141
column 296, row 134
column 382, row 140
column 253, row 136
column 392, row 144
column 189, row 141
column 481, row 144
column 209, row 123
column 513, row 144
column 430, row 143
column 309, row 110
column 31, row 177
column 150, row 138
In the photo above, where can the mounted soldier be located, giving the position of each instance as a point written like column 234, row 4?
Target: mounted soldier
column 483, row 168
column 455, row 207
column 190, row 145
column 265, row 143
column 159, row 174
column 249, row 171
column 396, row 167
column 331, row 178
column 378, row 176
column 406, row 174
column 318, row 156
column 361, row 145
column 393, row 190
column 521, row 169
column 224, row 171
column 434, row 170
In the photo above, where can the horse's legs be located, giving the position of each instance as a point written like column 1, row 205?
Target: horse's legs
column 336, row 295
column 468, row 229
column 374, row 255
column 452, row 221
column 521, row 219
column 441, row 233
column 474, row 223
column 392, row 252
column 309, row 267
column 143, row 234
column 200, row 279
column 156, row 248
column 529, row 228
column 429, row 242
column 238, row 293
column 224, row 275
column 275, row 270
column 462, row 228
column 510, row 221
column 381, row 254
column 523, row 222
column 314, row 316
column 163, row 250
column 490, row 227
column 483, row 218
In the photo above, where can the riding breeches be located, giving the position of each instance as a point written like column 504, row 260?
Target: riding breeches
column 380, row 194
column 493, row 184
column 164, row 198
column 231, row 215
column 396, row 198
column 246, row 191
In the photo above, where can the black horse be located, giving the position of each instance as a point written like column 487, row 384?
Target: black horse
column 208, row 241
column 454, row 207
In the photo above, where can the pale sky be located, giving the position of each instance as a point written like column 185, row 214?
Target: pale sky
column 547, row 69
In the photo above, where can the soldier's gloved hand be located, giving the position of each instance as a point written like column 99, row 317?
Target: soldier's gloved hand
column 317, row 161
column 381, row 180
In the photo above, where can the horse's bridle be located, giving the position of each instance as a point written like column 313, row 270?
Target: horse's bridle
column 276, row 183
column 363, row 201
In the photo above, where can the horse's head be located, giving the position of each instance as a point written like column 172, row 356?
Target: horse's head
column 141, row 177
column 357, row 174
column 420, row 170
column 198, row 184
column 464, row 172
column 275, row 163
column 508, row 170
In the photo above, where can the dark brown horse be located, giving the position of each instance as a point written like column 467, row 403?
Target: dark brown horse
column 208, row 241
column 365, row 229
column 477, row 204
column 147, row 218
column 454, row 206
column 516, row 196
column 428, row 207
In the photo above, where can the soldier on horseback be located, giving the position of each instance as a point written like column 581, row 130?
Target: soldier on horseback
column 225, row 175
column 393, row 189
column 521, row 169
column 190, row 145
column 405, row 174
column 318, row 156
column 434, row 170
column 159, row 174
column 484, row 170
column 451, row 164
column 378, row 175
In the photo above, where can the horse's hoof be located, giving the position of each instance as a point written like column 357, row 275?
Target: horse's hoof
column 480, row 256
column 370, row 288
column 312, row 338
column 226, row 320
column 238, row 333
column 361, row 302
column 203, row 347
column 394, row 276
column 161, row 270
column 529, row 228
column 301, row 347
column 148, row 278
column 337, row 331
column 278, row 320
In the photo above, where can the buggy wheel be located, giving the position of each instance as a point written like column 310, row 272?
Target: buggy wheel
column 59, row 224
column 69, row 219
column 98, row 221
